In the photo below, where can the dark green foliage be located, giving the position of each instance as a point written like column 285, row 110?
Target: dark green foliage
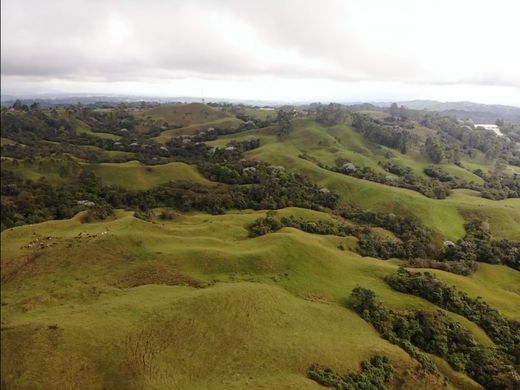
column 438, row 173
column 374, row 375
column 97, row 213
column 505, row 333
column 284, row 123
column 263, row 226
column 270, row 224
column 416, row 240
column 433, row 150
column 500, row 186
column 405, row 179
column 364, row 302
column 455, row 133
column 246, row 145
column 391, row 136
column 320, row 226
column 25, row 201
column 459, row 267
column 436, row 333
column 477, row 245
column 331, row 114
column 369, row 244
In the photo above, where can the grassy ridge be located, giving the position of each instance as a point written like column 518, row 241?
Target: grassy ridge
column 226, row 123
column 134, row 175
column 131, row 174
column 184, row 114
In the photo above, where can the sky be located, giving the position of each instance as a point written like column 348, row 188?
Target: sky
column 275, row 50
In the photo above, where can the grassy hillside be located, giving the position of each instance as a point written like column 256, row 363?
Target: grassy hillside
column 223, row 123
column 188, row 119
column 325, row 145
column 174, row 293
column 33, row 171
column 193, row 302
column 85, row 129
column 131, row 174
column 134, row 175
column 185, row 114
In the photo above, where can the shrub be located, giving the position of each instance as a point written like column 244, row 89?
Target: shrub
column 374, row 374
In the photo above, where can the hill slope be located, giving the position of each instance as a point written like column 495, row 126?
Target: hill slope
column 152, row 302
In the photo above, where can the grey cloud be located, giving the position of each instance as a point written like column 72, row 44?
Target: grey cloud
column 176, row 39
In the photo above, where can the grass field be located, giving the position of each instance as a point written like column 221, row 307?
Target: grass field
column 134, row 175
column 123, row 307
column 131, row 174
column 224, row 123
column 191, row 118
column 185, row 114
column 34, row 171
column 85, row 129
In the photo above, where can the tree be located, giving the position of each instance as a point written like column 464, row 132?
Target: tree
column 18, row 104
column 394, row 110
column 284, row 121
column 434, row 150
column 403, row 112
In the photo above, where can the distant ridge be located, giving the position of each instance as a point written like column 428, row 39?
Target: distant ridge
column 484, row 113
column 465, row 110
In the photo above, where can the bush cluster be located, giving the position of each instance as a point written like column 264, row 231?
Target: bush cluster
column 374, row 374
column 436, row 333
column 505, row 333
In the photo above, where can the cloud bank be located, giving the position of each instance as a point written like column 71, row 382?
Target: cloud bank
column 163, row 46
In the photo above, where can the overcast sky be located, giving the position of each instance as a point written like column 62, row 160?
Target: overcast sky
column 304, row 50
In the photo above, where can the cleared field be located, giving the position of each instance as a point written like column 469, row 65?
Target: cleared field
column 224, row 123
column 185, row 114
column 134, row 175
column 35, row 171
column 121, row 306
column 83, row 128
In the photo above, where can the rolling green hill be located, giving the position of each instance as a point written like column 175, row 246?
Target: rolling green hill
column 185, row 114
column 172, row 293
column 160, row 298
column 131, row 174
column 134, row 175
column 326, row 144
